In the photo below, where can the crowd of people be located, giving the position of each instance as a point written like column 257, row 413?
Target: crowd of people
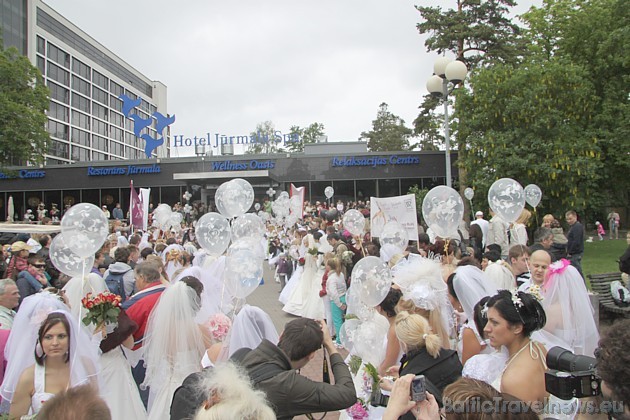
column 475, row 315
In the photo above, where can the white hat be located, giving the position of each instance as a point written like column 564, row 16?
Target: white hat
column 479, row 213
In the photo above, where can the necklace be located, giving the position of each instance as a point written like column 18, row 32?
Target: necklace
column 511, row 358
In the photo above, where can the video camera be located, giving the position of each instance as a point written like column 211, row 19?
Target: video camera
column 571, row 376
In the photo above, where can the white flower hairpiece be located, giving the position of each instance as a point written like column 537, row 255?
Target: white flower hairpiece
column 484, row 310
column 516, row 300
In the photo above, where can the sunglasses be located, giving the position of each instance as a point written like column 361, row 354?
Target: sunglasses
column 39, row 265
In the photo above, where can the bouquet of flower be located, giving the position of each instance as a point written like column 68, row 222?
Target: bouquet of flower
column 102, row 309
column 346, row 257
column 301, row 261
column 313, row 251
column 359, row 411
column 219, row 325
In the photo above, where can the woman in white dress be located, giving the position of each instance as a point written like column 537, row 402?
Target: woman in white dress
column 304, row 300
column 174, row 344
column 63, row 358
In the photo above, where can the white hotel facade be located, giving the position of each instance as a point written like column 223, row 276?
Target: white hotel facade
column 85, row 119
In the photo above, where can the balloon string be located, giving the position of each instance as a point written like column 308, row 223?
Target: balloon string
column 472, row 211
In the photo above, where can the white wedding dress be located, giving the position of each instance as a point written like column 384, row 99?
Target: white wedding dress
column 120, row 391
column 304, row 300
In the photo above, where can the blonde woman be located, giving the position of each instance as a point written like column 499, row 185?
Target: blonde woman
column 424, row 354
column 518, row 230
column 159, row 264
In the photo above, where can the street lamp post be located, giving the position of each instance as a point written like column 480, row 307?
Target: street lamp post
column 446, row 70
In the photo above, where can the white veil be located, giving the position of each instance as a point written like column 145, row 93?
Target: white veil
column 568, row 309
column 173, row 343
column 20, row 348
column 250, row 326
column 420, row 280
column 471, row 284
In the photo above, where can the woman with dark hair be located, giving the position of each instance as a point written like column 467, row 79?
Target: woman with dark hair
column 476, row 241
column 63, row 358
column 387, row 308
column 512, row 318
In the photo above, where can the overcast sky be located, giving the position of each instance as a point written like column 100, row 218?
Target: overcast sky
column 229, row 65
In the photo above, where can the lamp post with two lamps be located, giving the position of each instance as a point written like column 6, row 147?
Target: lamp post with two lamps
column 446, row 70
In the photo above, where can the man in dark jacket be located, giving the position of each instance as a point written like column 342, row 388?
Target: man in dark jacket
column 575, row 241
column 290, row 393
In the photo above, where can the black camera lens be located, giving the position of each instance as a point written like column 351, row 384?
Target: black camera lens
column 564, row 360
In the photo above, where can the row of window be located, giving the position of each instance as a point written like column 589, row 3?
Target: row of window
column 62, row 150
column 74, row 40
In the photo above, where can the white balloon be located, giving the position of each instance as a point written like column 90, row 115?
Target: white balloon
column 469, row 193
column 394, row 236
column 247, row 225
column 296, row 206
column 373, row 279
column 243, row 272
column 506, row 198
column 354, row 221
column 65, row 260
column 234, row 198
column 329, row 192
column 213, row 233
column 533, row 195
column 85, row 227
column 443, row 209
column 347, row 334
column 368, row 341
column 355, row 305
column 257, row 206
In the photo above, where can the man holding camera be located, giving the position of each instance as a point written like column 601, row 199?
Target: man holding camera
column 290, row 393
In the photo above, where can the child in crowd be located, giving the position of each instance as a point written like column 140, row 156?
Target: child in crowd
column 600, row 231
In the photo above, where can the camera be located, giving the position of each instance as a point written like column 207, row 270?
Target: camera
column 418, row 388
column 571, row 376
column 378, row 399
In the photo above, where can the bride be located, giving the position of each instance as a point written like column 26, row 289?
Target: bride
column 304, row 300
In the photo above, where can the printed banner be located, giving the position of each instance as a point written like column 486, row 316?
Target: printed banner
column 401, row 209
column 144, row 197
column 135, row 209
column 300, row 192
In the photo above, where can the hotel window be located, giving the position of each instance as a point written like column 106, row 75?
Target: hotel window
column 116, row 89
column 99, row 111
column 115, row 103
column 41, row 65
column 81, row 69
column 80, row 137
column 41, row 45
column 59, row 149
column 57, row 73
column 80, row 154
column 388, row 187
column 100, row 80
column 117, row 119
column 116, row 148
column 98, row 155
column 80, row 120
column 99, row 127
column 100, row 95
column 81, row 85
column 80, row 102
column 116, row 133
column 58, row 130
column 58, row 56
column 59, row 93
column 99, row 143
column 58, row 112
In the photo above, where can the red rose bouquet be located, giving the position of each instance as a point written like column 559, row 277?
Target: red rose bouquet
column 102, row 309
column 301, row 261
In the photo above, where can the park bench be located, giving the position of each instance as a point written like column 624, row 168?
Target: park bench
column 600, row 284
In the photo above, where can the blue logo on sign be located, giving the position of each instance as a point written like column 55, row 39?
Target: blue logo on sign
column 140, row 124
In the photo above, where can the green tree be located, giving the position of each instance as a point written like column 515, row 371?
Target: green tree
column 263, row 140
column 24, row 99
column 304, row 136
column 388, row 132
column 594, row 35
column 420, row 194
column 532, row 123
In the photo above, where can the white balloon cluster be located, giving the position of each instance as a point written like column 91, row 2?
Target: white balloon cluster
column 166, row 219
column 84, row 229
column 371, row 282
column 242, row 240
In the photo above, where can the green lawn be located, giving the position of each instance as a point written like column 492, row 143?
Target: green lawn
column 601, row 256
